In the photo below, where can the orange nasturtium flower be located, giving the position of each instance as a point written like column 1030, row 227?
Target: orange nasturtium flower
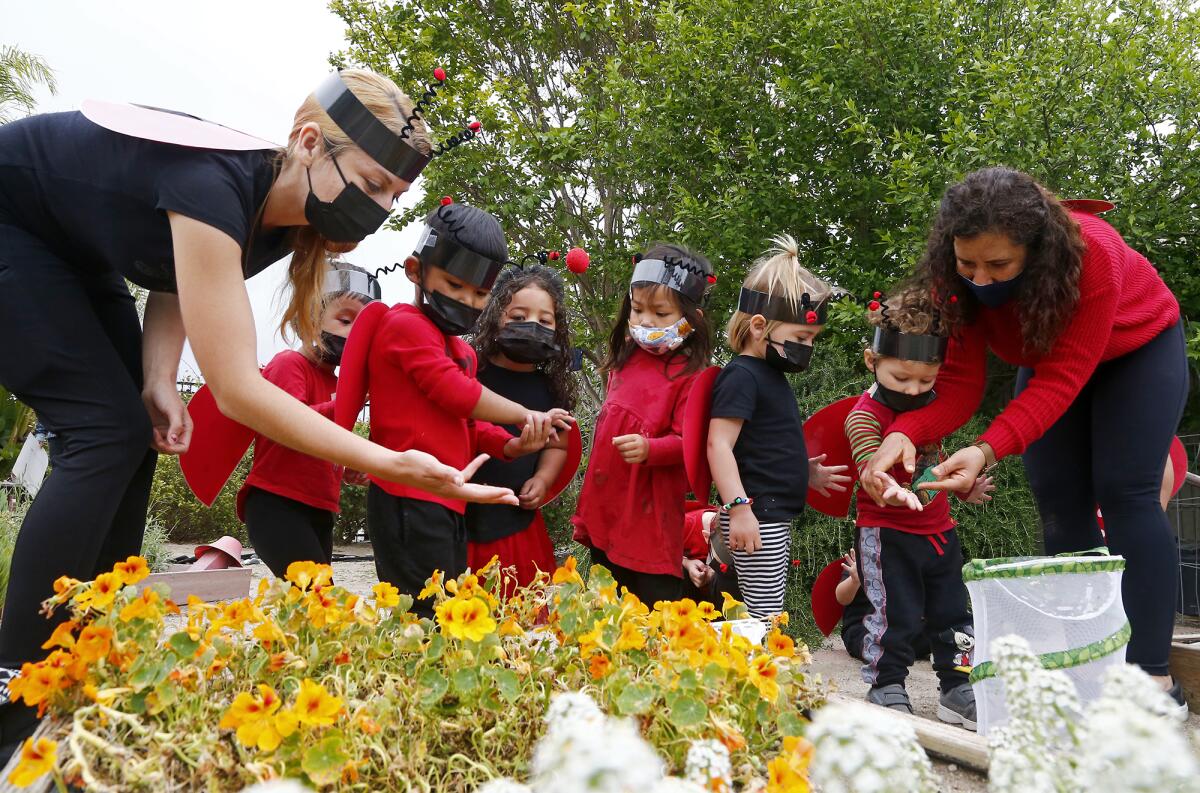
column 132, row 570
column 763, row 674
column 94, row 643
column 315, row 706
column 780, row 644
column 309, row 574
column 599, row 666
column 465, row 619
column 567, row 572
column 144, row 606
column 386, row 595
column 258, row 720
column 433, row 587
column 37, row 760
column 101, row 593
column 62, row 636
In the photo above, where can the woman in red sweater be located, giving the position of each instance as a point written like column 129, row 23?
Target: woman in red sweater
column 1101, row 389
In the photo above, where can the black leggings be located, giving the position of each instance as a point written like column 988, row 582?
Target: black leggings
column 649, row 587
column 283, row 530
column 72, row 351
column 1109, row 449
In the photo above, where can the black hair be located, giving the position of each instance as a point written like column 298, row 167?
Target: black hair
column 509, row 282
column 697, row 348
column 1009, row 202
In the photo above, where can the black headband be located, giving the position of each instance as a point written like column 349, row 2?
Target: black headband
column 781, row 309
column 436, row 249
column 923, row 348
column 684, row 277
column 387, row 148
column 339, row 281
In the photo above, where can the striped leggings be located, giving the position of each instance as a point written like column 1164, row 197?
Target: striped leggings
column 762, row 575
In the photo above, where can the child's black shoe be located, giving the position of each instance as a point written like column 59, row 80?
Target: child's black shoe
column 957, row 706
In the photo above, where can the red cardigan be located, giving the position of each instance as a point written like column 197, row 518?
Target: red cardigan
column 287, row 472
column 423, row 389
column 1123, row 304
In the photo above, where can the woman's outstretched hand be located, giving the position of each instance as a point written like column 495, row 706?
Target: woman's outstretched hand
column 420, row 470
column 959, row 472
column 896, row 448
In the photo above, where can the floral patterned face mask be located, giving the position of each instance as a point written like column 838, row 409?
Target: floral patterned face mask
column 660, row 341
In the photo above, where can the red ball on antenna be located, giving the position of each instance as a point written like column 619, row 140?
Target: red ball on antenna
column 712, row 279
column 447, row 201
column 953, row 298
column 475, row 126
column 724, row 567
column 553, row 256
column 876, row 295
column 873, row 305
column 439, row 74
column 811, row 318
column 578, row 260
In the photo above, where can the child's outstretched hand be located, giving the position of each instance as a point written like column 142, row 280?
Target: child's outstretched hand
column 979, row 493
column 743, row 531
column 535, row 434
column 558, row 419
column 850, row 567
column 632, row 448
column 895, row 495
column 533, row 493
column 698, row 571
column 824, row 478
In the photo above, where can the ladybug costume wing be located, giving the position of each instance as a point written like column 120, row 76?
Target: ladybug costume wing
column 695, row 432
column 825, row 433
column 826, row 610
column 570, row 467
column 353, row 376
column 218, row 445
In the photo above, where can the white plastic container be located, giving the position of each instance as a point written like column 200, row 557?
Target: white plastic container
column 1068, row 608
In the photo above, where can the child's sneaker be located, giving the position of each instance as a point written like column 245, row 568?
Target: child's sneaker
column 1180, row 713
column 892, row 696
column 957, row 706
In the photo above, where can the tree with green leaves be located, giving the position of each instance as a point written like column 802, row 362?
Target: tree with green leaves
column 20, row 74
column 610, row 123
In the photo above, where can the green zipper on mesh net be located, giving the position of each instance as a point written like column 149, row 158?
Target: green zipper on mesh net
column 1065, row 659
column 1029, row 567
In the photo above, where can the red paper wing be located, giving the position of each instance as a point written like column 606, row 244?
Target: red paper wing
column 570, row 467
column 695, row 432
column 826, row 610
column 1093, row 206
column 1178, row 457
column 218, row 444
column 352, row 376
column 169, row 126
column 825, row 433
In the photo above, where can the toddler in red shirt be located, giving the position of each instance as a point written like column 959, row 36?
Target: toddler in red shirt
column 630, row 510
column 425, row 396
column 290, row 500
column 908, row 554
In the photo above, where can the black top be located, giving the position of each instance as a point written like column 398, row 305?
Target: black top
column 99, row 199
column 770, row 452
column 491, row 522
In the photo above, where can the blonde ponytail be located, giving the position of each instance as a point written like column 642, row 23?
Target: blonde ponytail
column 777, row 273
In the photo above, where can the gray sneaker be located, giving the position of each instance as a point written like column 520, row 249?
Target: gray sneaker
column 957, row 706
column 891, row 696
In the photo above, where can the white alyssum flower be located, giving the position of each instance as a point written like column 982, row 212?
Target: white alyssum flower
column 580, row 753
column 708, row 766
column 503, row 786
column 857, row 751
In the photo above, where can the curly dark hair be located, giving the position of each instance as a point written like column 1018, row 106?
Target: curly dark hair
column 510, row 281
column 1008, row 201
column 697, row 348
column 907, row 308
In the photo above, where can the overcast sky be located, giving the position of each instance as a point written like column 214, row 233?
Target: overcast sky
column 246, row 64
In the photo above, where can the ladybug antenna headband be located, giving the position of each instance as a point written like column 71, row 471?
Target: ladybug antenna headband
column 362, row 284
column 394, row 151
column 920, row 347
column 437, row 248
column 782, row 309
column 681, row 274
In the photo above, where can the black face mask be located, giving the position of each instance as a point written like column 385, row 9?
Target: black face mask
column 795, row 355
column 332, row 349
column 527, row 342
column 899, row 401
column 451, row 316
column 348, row 218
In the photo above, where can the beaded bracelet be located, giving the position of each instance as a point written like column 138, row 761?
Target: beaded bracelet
column 737, row 502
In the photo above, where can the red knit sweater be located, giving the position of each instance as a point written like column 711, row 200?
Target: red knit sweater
column 423, row 389
column 1123, row 304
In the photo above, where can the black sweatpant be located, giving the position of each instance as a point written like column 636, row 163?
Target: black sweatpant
column 283, row 530
column 914, row 583
column 1109, row 449
column 649, row 587
column 73, row 353
column 411, row 538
